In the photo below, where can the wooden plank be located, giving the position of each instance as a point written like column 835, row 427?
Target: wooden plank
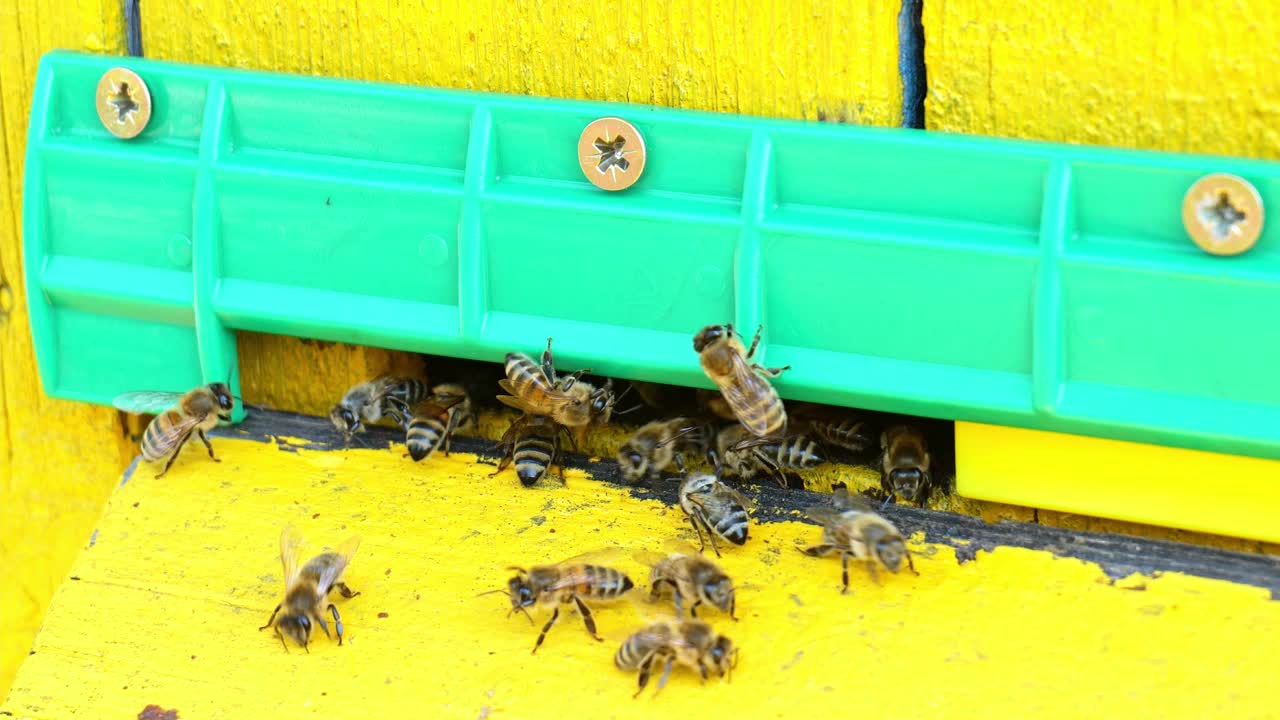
column 57, row 458
column 1158, row 75
column 184, row 569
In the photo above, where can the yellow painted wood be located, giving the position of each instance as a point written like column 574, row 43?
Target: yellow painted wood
column 1167, row 75
column 1189, row 489
column 167, row 603
column 57, row 458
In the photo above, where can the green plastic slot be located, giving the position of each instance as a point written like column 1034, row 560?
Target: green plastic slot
column 1018, row 283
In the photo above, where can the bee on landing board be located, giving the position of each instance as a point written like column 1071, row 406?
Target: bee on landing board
column 538, row 390
column 744, row 384
column 178, row 416
column 307, row 589
column 658, row 445
column 432, row 422
column 690, row 577
column 746, row 457
column 715, row 507
column 691, row 643
column 572, row 581
column 904, row 466
column 533, row 443
column 367, row 403
column 852, row 529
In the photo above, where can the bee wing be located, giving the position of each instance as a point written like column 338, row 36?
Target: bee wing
column 740, row 391
column 146, row 402
column 843, row 500
column 290, row 553
column 599, row 556
column 175, row 432
column 512, row 401
column 822, row 514
column 334, row 571
column 741, row 499
column 676, row 546
column 648, row 558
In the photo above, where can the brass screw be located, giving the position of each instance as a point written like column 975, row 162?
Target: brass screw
column 124, row 103
column 611, row 153
column 1223, row 214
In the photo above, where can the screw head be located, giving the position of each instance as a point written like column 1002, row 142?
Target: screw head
column 611, row 153
column 1223, row 214
column 124, row 102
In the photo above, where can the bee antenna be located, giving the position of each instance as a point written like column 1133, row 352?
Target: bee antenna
column 678, row 434
column 526, row 614
column 490, row 592
column 631, row 409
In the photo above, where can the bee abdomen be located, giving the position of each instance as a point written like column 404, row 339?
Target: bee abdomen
column 799, row 453
column 632, row 652
column 846, row 434
column 604, row 583
column 423, row 436
column 523, row 372
column 767, row 417
column 410, row 392
column 532, row 458
column 733, row 525
column 154, row 444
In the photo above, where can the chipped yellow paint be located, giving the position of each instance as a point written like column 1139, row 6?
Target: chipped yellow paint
column 167, row 603
column 1163, row 75
column 56, row 458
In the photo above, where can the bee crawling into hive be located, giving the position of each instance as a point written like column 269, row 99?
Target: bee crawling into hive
column 430, row 424
column 905, row 465
column 177, row 417
column 852, row 529
column 743, row 384
column 368, row 402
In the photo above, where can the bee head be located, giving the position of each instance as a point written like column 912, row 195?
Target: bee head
column 632, row 463
column 710, row 334
column 602, row 401
column 222, row 395
column 889, row 547
column 522, row 595
column 719, row 592
column 723, row 655
column 296, row 627
column 346, row 421
column 906, row 482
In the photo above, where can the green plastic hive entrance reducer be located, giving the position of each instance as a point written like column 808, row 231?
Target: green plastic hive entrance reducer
column 1018, row 283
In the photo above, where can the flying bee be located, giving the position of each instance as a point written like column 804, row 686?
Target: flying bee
column 433, row 421
column 691, row 643
column 715, row 507
column 177, row 417
column 744, row 385
column 533, row 443
column 367, row 403
column 851, row 528
column 690, row 577
column 572, row 581
column 538, row 390
column 904, row 466
column 307, row 589
column 657, row 445
column 746, row 456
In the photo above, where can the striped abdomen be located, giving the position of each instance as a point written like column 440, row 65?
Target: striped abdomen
column 640, row 645
column 794, row 453
column 847, row 434
column 528, row 382
column 598, row 582
column 533, row 455
column 158, row 440
column 423, row 434
column 728, row 518
column 406, row 392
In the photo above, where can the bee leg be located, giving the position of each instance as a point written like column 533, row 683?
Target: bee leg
column 871, row 569
column 272, row 618
column 911, row 564
column 844, row 572
column 755, row 342
column 586, row 618
column 176, row 451
column 548, row 365
column 283, row 644
column 666, row 674
column 702, row 671
column 337, row 621
column 819, row 550
column 771, row 465
column 208, row 446
column 323, row 625
column 346, row 592
column 770, row 372
column 645, row 667
column 701, row 518
column 693, row 609
column 555, row 614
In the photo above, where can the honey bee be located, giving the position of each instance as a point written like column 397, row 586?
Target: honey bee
column 691, row 643
column 837, row 429
column 307, row 589
column 713, row 403
column 433, row 421
column 744, row 385
column 657, row 445
column 904, row 466
column 538, row 390
column 571, row 581
column 533, row 442
column 746, row 457
column 715, row 507
column 177, row 417
column 851, row 528
column 368, row 402
column 690, row 577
